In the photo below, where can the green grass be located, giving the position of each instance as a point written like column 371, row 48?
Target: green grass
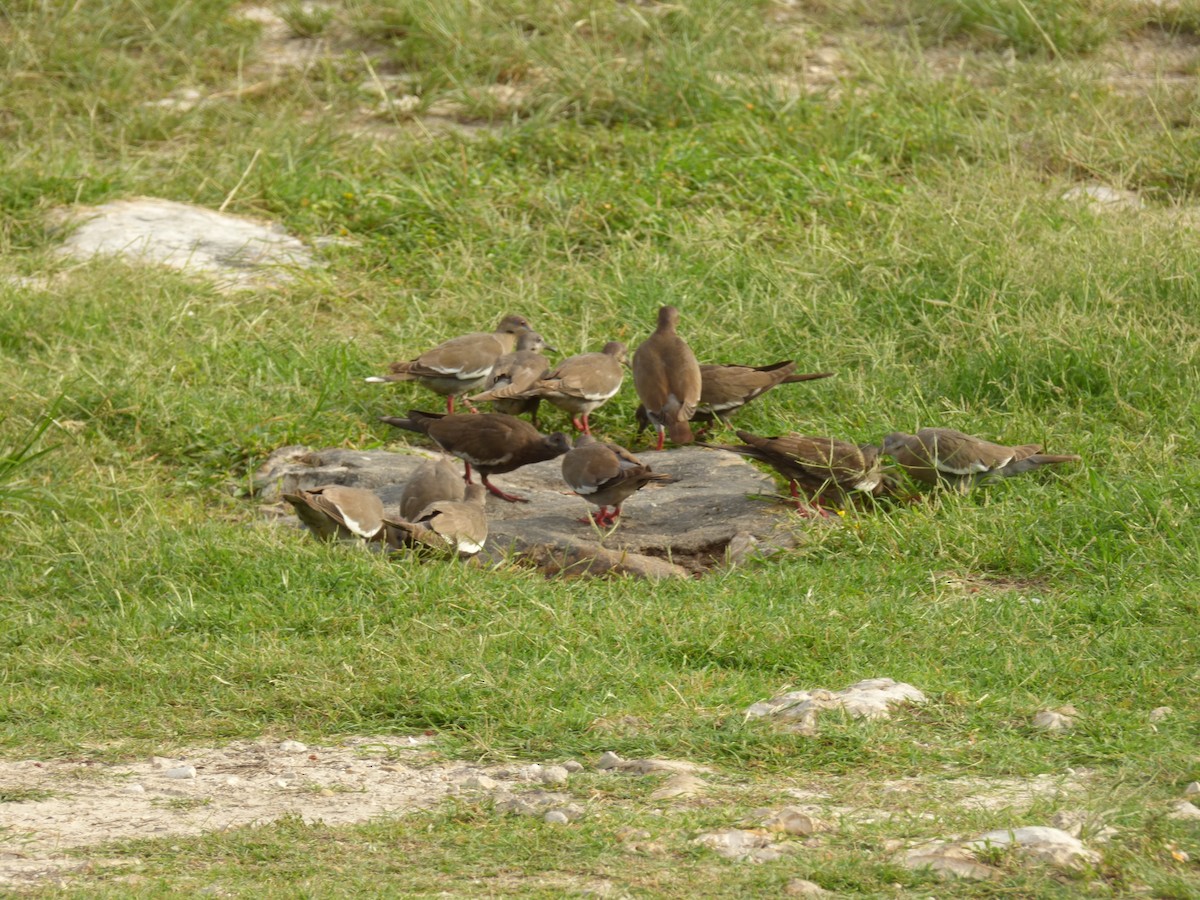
column 901, row 225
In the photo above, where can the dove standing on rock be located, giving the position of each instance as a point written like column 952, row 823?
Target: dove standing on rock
column 461, row 364
column 667, row 378
column 334, row 511
column 493, row 443
column 826, row 468
column 433, row 480
column 459, row 526
column 606, row 475
column 943, row 455
column 578, row 384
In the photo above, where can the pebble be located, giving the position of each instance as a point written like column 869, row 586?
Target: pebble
column 293, row 747
column 738, row 844
column 790, row 820
column 1055, row 719
column 555, row 775
column 556, row 817
column 280, row 782
column 573, row 766
column 181, row 772
column 608, row 760
column 1184, row 809
column 1160, row 712
column 1052, row 845
column 532, row 772
column 233, row 781
column 479, row 783
column 802, row 887
column 1192, row 789
column 949, row 862
column 134, row 789
column 538, row 803
column 628, row 833
column 679, row 785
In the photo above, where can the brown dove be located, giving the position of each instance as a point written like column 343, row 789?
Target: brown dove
column 433, row 480
column 606, row 475
column 459, row 526
column 493, row 443
column 513, row 374
column 578, row 384
column 461, row 364
column 336, row 511
column 946, row 456
column 826, row 468
column 667, row 379
column 726, row 388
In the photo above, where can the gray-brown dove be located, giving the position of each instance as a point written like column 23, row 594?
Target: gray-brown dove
column 945, row 456
column 334, row 511
column 606, row 475
column 456, row 526
column 667, row 378
column 493, row 443
column 459, row 365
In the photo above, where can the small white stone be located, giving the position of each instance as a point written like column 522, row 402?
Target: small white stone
column 1160, row 712
column 573, row 766
column 1052, row 845
column 608, row 760
column 1184, row 809
column 556, row 817
column 532, row 772
column 679, row 785
column 554, row 775
column 232, row 780
column 800, row 887
column 293, row 747
column 948, row 862
column 181, row 772
column 736, row 843
column 134, row 788
column 280, row 782
column 479, row 783
column 1053, row 720
column 790, row 820
column 1192, row 789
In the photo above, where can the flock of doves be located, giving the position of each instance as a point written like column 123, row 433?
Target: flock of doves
column 439, row 509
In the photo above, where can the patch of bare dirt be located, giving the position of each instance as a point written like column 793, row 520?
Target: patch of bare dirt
column 78, row 803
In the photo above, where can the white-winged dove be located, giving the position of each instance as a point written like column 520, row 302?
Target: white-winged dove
column 826, row 468
column 493, row 443
column 513, row 374
column 578, row 384
column 461, row 364
column 726, row 388
column 337, row 511
column 943, row 455
column 433, row 480
column 458, row 526
column 667, row 378
column 606, row 475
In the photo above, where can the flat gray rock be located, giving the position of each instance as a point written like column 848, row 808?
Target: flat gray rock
column 239, row 252
column 704, row 519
